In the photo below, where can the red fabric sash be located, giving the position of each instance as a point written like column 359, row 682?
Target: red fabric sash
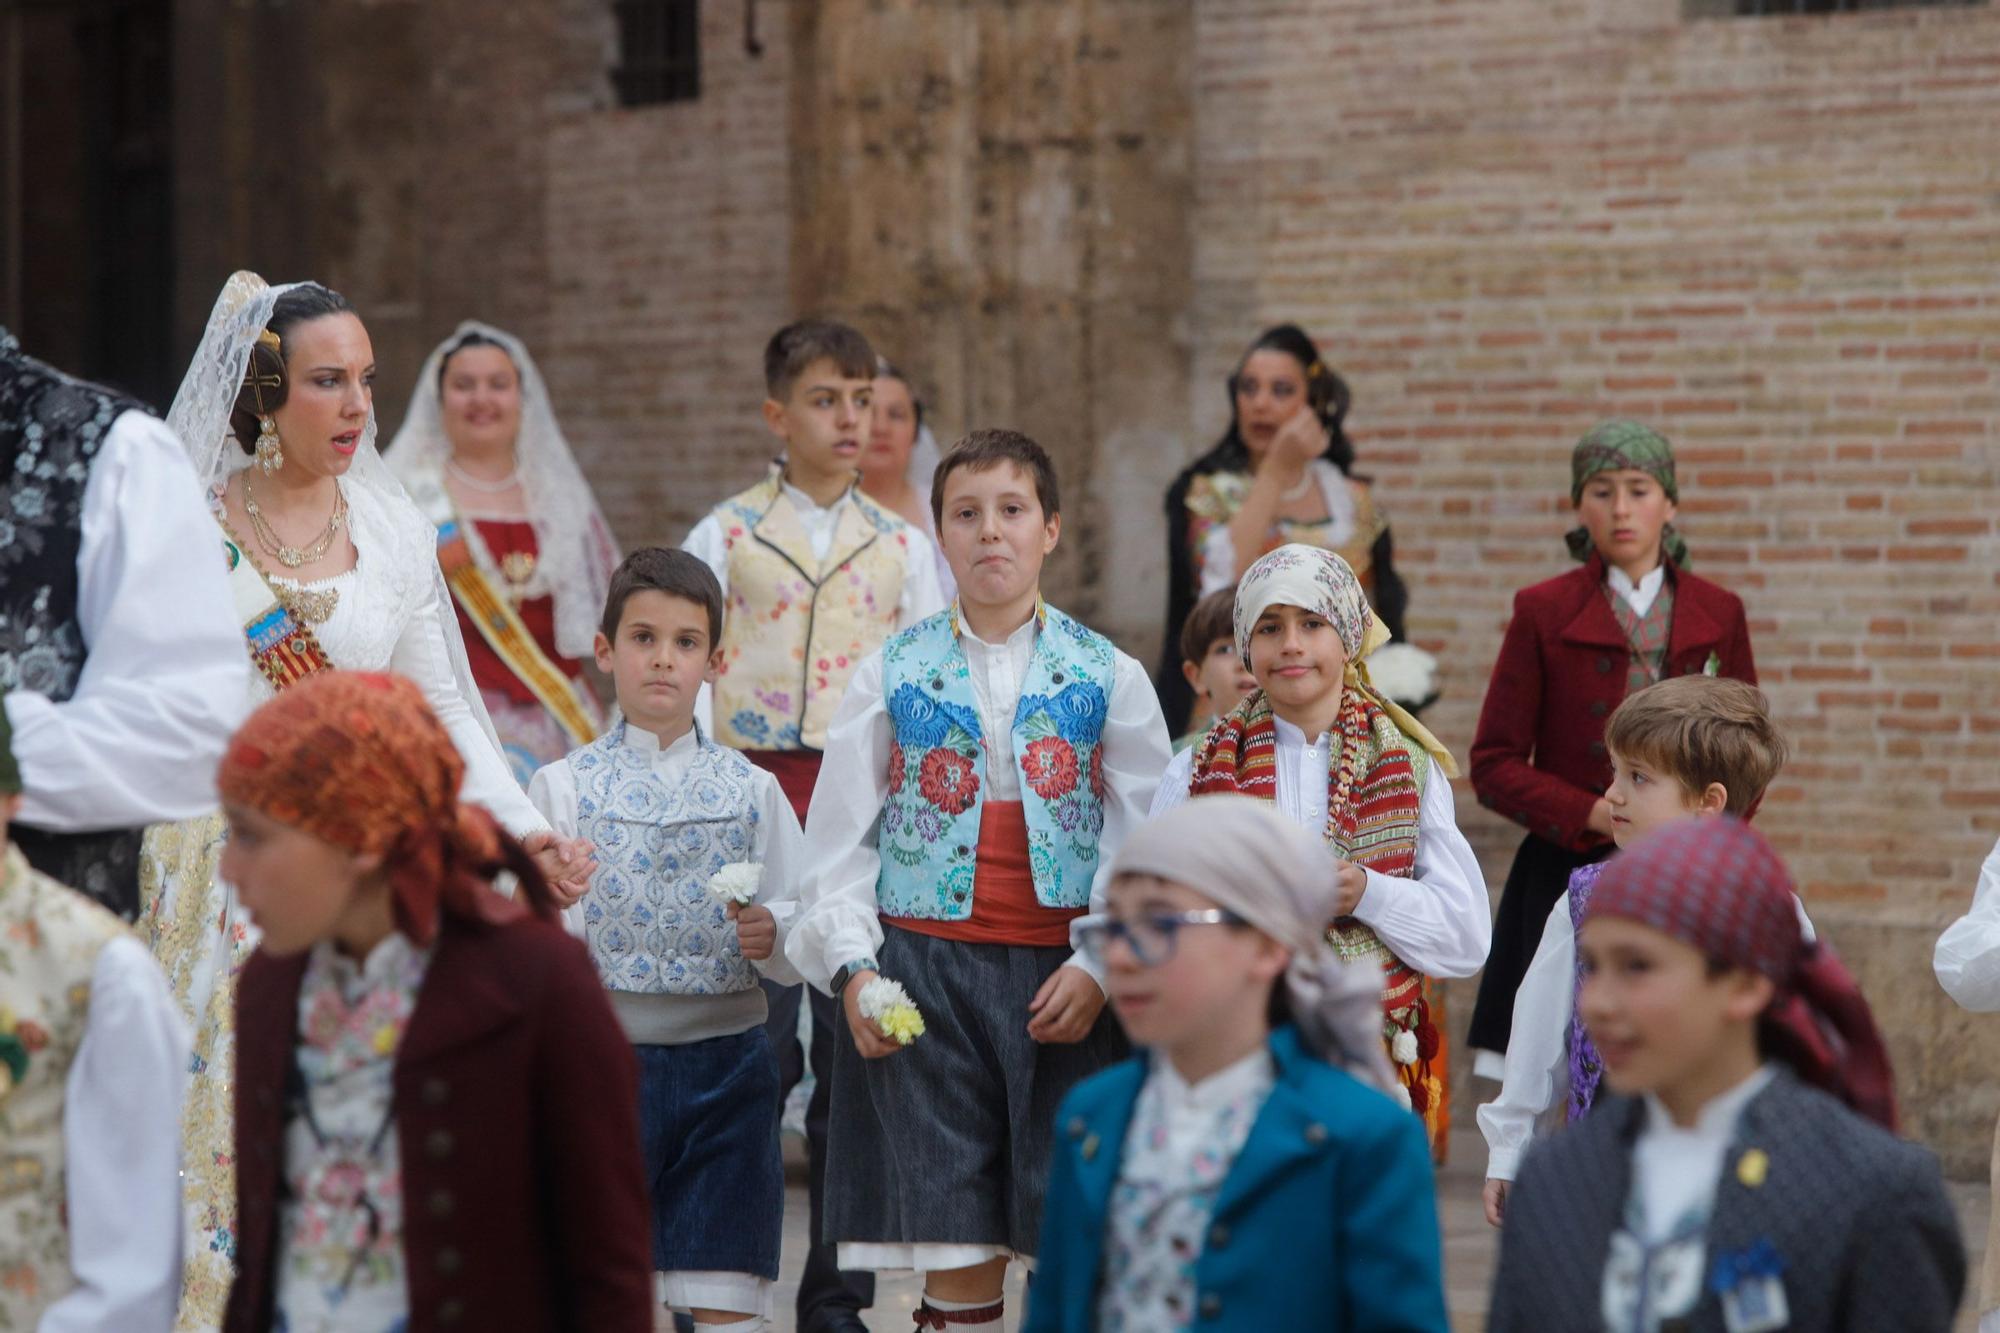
column 1004, row 907
column 796, row 772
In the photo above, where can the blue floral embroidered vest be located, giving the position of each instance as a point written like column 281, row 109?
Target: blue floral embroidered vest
column 651, row 923
column 937, row 766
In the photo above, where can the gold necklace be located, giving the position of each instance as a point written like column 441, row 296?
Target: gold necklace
column 292, row 557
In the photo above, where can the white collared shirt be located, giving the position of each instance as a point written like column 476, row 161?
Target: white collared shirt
column 1676, row 1169
column 1641, row 595
column 123, row 1189
column 1438, row 921
column 167, row 675
column 1967, row 958
column 838, row 923
column 779, row 845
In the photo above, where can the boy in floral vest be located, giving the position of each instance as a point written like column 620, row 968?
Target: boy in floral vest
column 815, row 576
column 980, row 774
column 93, row 1066
column 673, row 816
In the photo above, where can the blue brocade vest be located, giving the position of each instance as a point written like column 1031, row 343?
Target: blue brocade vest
column 651, row 923
column 937, row 766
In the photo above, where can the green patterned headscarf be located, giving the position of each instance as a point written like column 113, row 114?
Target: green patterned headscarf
column 1618, row 446
column 10, row 772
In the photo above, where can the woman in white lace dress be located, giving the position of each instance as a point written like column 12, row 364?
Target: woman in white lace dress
column 525, row 548
column 332, row 566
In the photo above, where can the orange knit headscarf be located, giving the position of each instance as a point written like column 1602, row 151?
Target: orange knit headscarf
column 359, row 760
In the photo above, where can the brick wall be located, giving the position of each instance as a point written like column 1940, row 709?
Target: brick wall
column 1775, row 238
column 668, row 253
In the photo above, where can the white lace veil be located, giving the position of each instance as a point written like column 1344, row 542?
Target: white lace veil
column 577, row 553
column 200, row 417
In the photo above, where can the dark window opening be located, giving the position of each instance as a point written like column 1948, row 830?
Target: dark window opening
column 1774, row 8
column 659, row 51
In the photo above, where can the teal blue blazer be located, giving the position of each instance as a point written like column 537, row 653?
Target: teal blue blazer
column 1326, row 1221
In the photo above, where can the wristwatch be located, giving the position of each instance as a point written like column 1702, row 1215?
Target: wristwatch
column 846, row 974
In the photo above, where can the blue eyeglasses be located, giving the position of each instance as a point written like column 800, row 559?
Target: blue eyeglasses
column 1151, row 937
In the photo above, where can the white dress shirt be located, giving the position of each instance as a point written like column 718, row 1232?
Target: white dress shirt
column 838, row 924
column 1438, row 921
column 920, row 597
column 1967, row 958
column 1537, row 1060
column 1639, row 596
column 166, row 677
column 121, row 1146
column 1675, row 1170
column 780, row 844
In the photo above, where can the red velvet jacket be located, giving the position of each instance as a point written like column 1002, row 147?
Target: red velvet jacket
column 1538, row 757
column 517, row 1114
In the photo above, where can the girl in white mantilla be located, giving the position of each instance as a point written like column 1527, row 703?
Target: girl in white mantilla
column 523, row 544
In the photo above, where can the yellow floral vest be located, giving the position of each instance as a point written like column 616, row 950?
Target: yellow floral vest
column 796, row 627
column 50, row 937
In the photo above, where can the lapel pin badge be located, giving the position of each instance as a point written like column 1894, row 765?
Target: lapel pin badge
column 1753, row 1168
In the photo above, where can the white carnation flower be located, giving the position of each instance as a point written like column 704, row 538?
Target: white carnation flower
column 737, row 883
column 1405, row 673
column 890, row 1007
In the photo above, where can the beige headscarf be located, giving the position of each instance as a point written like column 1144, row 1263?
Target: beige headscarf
column 1315, row 579
column 1250, row 859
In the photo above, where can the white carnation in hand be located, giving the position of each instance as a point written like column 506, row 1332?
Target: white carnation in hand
column 892, row 1010
column 737, row 883
column 1405, row 673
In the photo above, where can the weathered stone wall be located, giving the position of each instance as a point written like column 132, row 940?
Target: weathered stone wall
column 1779, row 240
column 997, row 194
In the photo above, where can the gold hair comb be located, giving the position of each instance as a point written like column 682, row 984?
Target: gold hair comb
column 271, row 340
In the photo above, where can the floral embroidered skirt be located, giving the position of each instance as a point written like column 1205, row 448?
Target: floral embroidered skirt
column 201, row 938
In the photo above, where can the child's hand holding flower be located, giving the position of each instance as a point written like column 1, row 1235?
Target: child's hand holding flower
column 756, row 928
column 756, row 931
column 886, row 1004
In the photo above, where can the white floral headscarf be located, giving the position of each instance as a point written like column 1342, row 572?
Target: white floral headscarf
column 1315, row 579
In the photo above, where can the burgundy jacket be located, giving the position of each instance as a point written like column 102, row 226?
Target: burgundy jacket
column 517, row 1115
column 1538, row 757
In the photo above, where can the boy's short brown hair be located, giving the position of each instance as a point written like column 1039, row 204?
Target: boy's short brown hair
column 796, row 346
column 989, row 448
column 675, row 573
column 1213, row 617
column 1702, row 729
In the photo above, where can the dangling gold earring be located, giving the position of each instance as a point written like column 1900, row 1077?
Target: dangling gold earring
column 270, row 450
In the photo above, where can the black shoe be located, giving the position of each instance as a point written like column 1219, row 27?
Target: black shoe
column 835, row 1321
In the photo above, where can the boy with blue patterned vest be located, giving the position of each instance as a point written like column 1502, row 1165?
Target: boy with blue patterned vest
column 93, row 1066
column 668, row 808
column 815, row 577
column 980, row 774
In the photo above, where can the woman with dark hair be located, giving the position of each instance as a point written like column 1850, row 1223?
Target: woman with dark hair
column 523, row 544
column 1280, row 473
column 329, row 566
column 899, row 457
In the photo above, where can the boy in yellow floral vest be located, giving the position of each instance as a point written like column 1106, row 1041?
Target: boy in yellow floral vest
column 93, row 1062
column 815, row 577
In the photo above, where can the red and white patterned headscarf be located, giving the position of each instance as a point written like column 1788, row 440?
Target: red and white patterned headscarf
column 1717, row 886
